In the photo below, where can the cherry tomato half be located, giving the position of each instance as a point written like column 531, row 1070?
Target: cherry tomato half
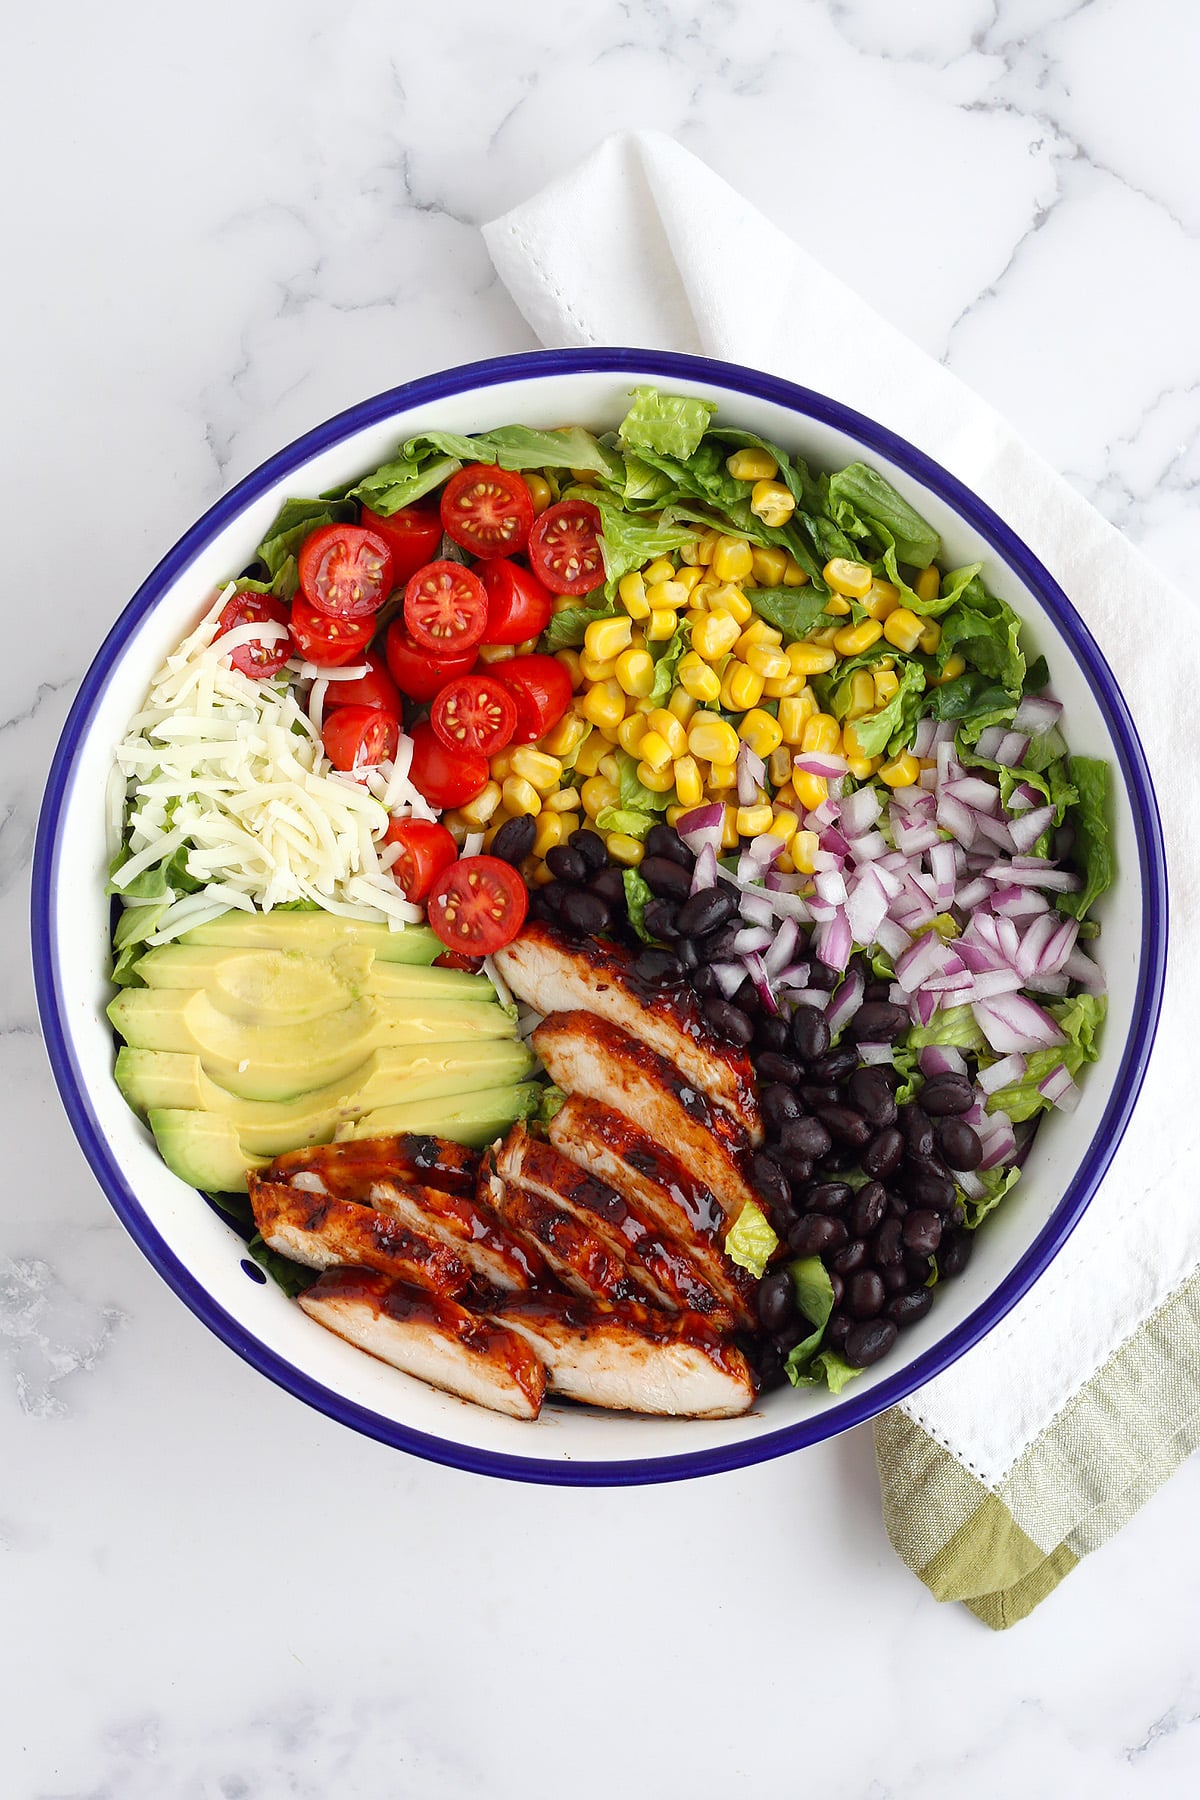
column 541, row 688
column 476, row 712
column 519, row 607
column 355, row 737
column 487, row 510
column 345, row 571
column 478, row 906
column 454, row 959
column 412, row 535
column 376, row 688
column 257, row 657
column 445, row 607
column 415, row 670
column 330, row 643
column 445, row 777
column 425, row 850
column 564, row 547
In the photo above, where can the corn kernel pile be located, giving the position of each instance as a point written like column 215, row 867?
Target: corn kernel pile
column 737, row 665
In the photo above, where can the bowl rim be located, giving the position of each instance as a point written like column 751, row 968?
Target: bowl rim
column 857, row 1409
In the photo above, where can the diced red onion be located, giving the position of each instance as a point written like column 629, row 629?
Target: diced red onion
column 1036, row 717
column 811, row 996
column 1059, row 881
column 1059, row 1089
column 754, row 937
column 980, row 795
column 1014, row 1022
column 821, row 817
column 756, row 970
column 704, row 875
column 941, row 862
column 866, row 907
column 999, row 1147
column 796, row 975
column 728, row 977
column 1080, row 967
column 756, row 909
column 1013, row 902
column 956, row 817
column 831, row 886
column 1023, row 797
column 970, row 1184
column 1011, row 751
column 869, row 847
column 783, row 950
column 824, row 860
column 820, row 762
column 834, row 841
column 703, row 825
column 1027, row 827
column 989, row 741
column 892, row 938
column 833, row 941
column 923, row 739
column 916, row 838
column 751, row 774
column 989, row 982
column 860, row 811
column 875, row 1053
column 928, row 780
column 1002, row 1074
column 973, row 893
column 1054, row 985
column 846, row 1001
column 922, row 1006
column 995, row 830
column 922, row 959
column 941, row 1059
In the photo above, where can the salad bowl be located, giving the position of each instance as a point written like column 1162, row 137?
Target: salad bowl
column 201, row 1256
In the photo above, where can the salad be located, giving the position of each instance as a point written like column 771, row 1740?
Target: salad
column 542, row 799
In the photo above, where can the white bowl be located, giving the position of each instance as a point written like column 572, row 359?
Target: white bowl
column 202, row 1257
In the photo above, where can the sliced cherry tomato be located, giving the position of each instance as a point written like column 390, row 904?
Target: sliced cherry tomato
column 445, row 777
column 355, row 737
column 487, row 510
column 445, row 608
column 478, row 906
column 541, row 688
column 345, row 571
column 564, row 547
column 417, row 672
column 376, row 688
column 330, row 643
column 425, row 850
column 454, row 959
column 519, row 607
column 474, row 713
column 257, row 658
column 412, row 535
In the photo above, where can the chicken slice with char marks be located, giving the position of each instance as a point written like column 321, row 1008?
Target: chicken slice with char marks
column 347, row 1170
column 472, row 1231
column 434, row 1339
column 322, row 1233
column 579, row 1257
column 554, row 974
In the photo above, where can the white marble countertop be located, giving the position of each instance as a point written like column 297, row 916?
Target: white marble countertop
column 225, row 225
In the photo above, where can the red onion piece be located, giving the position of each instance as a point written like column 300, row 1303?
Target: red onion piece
column 956, row 817
column 941, row 1059
column 1014, row 1022
column 1027, row 827
column 869, row 847
column 989, row 741
column 754, row 937
column 845, row 1002
column 891, row 938
column 860, row 811
column 756, row 909
column 1058, row 881
column 704, row 875
column 811, row 996
column 1012, row 750
column 751, row 774
column 1001, row 1074
column 833, row 941
column 783, row 950
column 973, row 893
column 1080, row 967
column 1059, row 1089
column 729, row 977
column 980, row 795
column 821, row 762
column 1036, row 717
column 762, row 984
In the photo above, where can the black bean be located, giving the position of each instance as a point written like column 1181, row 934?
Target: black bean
column 815, row 1095
column 834, row 1066
column 728, row 1021
column 609, row 885
column 563, row 863
column 538, row 907
column 877, row 1022
column 895, row 1278
column 769, row 1180
column 815, row 1233
column 514, row 840
column 921, row 1231
column 959, row 1144
column 810, row 1033
column 551, row 897
column 849, row 1258
column 897, row 1204
column 823, row 977
column 718, row 945
column 846, row 1125
column 770, row 1032
column 797, row 1168
column 706, row 911
column 827, row 1196
column 775, row 1300
column 662, row 841
column 943, row 1095
column 840, row 1327
column 906, row 1309
column 768, row 1360
column 779, row 1107
column 954, row 1252
column 865, row 1294
column 774, row 1067
column 881, row 1158
column 877, row 990
column 871, row 1095
column 591, row 846
column 837, row 1286
column 934, row 1193
column 839, row 1159
column 870, row 1204
column 917, row 1267
column 867, row 1343
column 886, row 1245
column 918, row 1132
column 808, row 1137
column 790, row 1335
column 659, row 919
column 685, row 950
column 703, row 980
column 659, row 967
column 664, row 877
column 584, row 911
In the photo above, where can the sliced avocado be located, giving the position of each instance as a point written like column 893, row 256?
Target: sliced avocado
column 300, row 983
column 475, row 1119
column 318, row 932
column 203, row 1150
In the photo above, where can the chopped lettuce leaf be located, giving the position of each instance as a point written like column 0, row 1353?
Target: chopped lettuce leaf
column 666, row 423
column 751, row 1242
column 893, row 724
column 834, row 1370
column 954, row 1026
column 996, row 1183
column 520, row 447
column 795, row 611
column 637, row 893
column 975, row 700
column 1092, row 852
column 985, row 630
column 814, row 1298
column 667, row 661
column 620, row 818
column 635, row 797
column 952, row 586
column 629, row 541
column 403, row 480
column 566, row 628
column 1079, row 1019
column 134, row 926
column 863, row 504
column 295, row 520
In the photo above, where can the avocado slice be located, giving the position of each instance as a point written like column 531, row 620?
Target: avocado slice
column 475, row 1119
column 318, row 932
column 203, row 1150
column 290, row 986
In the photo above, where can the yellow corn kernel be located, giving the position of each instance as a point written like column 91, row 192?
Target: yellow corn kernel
column 631, row 731
column 688, row 785
column 729, row 830
column 730, row 600
column 863, row 767
column 663, row 721
column 821, row 732
column 697, row 679
column 811, row 659
column 594, row 670
column 850, row 745
column 606, row 638
column 604, row 704
column 779, row 767
column 771, row 502
column 811, row 790
column 675, row 813
column 836, row 607
column 478, row 812
column 541, row 771
column 824, row 639
column 768, row 661
column 705, row 547
column 610, row 768
column 881, row 599
column 721, row 777
column 886, row 684
column 852, row 639
column 785, row 796
column 784, row 822
column 631, row 590
column 690, row 577
column 501, row 764
column 624, row 849
column 654, row 750
column 850, row 578
column 758, row 632
column 758, row 729
column 598, row 793
column 715, row 635
column 785, row 685
column 540, row 492
column 793, row 574
column 682, row 705
column 711, row 739
column 701, row 595
column 551, row 830
column 767, row 565
column 803, row 849
column 794, row 713
column 752, row 821
column 783, row 862
column 561, row 602
column 659, row 781
column 732, row 559
column 902, row 773
column 634, row 670
column 571, row 662
column 862, row 694
column 566, row 736
column 671, row 594
column 661, row 625
column 587, row 762
column 903, row 628
column 562, row 800
column 520, row 796
column 496, row 653
column 542, row 876
column 928, row 584
column 741, row 687
column 583, row 477
column 955, row 664
column 930, row 638
column 661, row 569
column 752, row 465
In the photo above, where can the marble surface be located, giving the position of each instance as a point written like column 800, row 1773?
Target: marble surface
column 225, row 225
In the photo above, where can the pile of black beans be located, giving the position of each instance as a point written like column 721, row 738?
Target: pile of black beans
column 844, row 1173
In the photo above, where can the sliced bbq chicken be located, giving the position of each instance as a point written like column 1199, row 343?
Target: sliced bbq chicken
column 347, row 1170
column 322, row 1232
column 579, row 1257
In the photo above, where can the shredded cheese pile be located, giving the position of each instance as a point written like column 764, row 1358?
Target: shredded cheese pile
column 231, row 771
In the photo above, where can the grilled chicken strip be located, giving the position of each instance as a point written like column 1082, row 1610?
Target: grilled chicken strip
column 347, row 1170
column 592, row 1057
column 663, row 1269
column 673, row 1202
column 630, row 1357
column 555, row 974
column 322, row 1232
column 577, row 1256
column 436, row 1340
column 470, row 1230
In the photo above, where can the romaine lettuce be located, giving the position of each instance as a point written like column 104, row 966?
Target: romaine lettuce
column 864, row 505
column 751, row 1242
column 1079, row 1019
column 668, row 424
column 637, row 893
column 1092, row 852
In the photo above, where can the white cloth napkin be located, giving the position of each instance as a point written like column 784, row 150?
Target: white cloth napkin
column 619, row 251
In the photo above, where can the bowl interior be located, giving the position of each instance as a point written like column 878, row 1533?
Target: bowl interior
column 203, row 1257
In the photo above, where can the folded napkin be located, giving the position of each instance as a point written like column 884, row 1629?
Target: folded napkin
column 1001, row 1474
